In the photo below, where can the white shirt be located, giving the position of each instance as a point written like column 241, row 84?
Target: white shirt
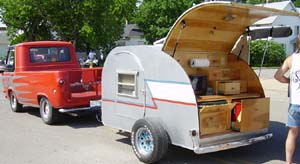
column 92, row 55
column 295, row 80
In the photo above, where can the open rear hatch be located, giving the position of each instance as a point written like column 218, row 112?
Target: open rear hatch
column 231, row 101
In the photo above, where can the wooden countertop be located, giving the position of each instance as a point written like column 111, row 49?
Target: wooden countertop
column 228, row 98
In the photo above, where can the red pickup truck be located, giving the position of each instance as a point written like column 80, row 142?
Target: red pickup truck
column 46, row 74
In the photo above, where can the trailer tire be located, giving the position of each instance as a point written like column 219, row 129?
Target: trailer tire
column 48, row 114
column 14, row 104
column 149, row 140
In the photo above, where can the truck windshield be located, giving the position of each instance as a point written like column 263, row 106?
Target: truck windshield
column 49, row 54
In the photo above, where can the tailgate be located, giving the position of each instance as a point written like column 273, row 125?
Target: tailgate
column 85, row 85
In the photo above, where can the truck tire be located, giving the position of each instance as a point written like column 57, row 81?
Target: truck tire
column 14, row 104
column 149, row 140
column 99, row 116
column 48, row 114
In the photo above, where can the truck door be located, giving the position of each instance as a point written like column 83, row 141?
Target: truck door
column 130, row 89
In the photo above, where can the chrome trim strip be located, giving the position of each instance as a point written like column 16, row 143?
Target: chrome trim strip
column 229, row 145
column 75, row 109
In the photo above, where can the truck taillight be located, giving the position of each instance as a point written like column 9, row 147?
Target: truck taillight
column 61, row 82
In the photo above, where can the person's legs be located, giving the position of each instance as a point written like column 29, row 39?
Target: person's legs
column 290, row 144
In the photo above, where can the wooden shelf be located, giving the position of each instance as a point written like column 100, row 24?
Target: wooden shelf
column 228, row 98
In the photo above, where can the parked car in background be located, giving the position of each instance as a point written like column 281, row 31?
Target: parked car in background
column 2, row 66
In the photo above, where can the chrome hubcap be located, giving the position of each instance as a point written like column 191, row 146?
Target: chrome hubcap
column 13, row 101
column 144, row 141
column 45, row 109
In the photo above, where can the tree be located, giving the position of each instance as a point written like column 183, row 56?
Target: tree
column 274, row 56
column 89, row 24
column 296, row 3
column 155, row 17
column 24, row 15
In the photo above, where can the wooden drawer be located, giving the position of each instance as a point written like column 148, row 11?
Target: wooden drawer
column 215, row 118
column 254, row 115
column 224, row 74
column 229, row 87
column 215, row 84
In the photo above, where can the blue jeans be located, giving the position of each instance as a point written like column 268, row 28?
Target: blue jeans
column 293, row 116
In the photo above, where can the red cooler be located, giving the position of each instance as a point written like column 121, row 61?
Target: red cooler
column 236, row 110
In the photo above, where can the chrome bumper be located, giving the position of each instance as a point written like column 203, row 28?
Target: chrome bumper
column 229, row 145
column 87, row 109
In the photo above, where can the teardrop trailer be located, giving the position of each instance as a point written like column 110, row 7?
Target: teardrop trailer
column 196, row 92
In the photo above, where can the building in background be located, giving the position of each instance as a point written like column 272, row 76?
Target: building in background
column 288, row 43
column 132, row 35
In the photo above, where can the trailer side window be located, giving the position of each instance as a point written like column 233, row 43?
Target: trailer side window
column 127, row 84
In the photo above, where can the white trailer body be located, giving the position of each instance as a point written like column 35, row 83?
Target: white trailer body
column 148, row 90
column 165, row 94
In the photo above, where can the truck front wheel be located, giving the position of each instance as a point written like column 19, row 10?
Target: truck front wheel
column 149, row 140
column 48, row 114
column 14, row 104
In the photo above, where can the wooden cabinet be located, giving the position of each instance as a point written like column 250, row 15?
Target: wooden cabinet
column 215, row 118
column 229, row 87
column 254, row 114
column 229, row 82
column 224, row 74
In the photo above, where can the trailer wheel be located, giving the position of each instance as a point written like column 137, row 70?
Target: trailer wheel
column 48, row 114
column 14, row 104
column 149, row 140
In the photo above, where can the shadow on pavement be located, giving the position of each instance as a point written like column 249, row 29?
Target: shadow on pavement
column 272, row 149
column 76, row 122
column 262, row 152
column 126, row 139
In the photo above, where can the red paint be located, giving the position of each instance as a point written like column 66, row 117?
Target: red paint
column 30, row 80
column 175, row 102
column 236, row 111
column 153, row 100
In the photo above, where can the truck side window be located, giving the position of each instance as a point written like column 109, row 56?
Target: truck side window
column 127, row 84
column 10, row 61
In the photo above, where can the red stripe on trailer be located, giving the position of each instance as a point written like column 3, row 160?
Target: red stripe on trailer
column 153, row 100
column 175, row 102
